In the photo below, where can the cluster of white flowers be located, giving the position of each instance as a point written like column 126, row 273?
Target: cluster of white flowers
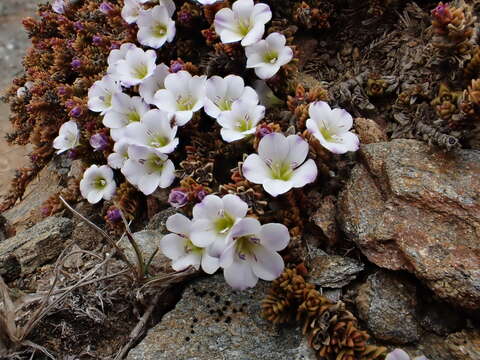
column 145, row 135
column 245, row 22
column 155, row 25
column 221, row 236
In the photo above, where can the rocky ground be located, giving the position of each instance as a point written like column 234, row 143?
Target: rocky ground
column 13, row 43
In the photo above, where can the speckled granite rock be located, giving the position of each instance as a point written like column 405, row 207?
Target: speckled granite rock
column 387, row 303
column 212, row 322
column 411, row 207
column 333, row 271
column 159, row 220
column 23, row 253
column 147, row 241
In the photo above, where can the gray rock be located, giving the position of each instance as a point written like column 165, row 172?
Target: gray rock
column 158, row 221
column 147, row 241
column 411, row 207
column 387, row 303
column 213, row 322
column 333, row 271
column 25, row 252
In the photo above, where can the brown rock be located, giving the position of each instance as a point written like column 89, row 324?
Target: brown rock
column 369, row 131
column 324, row 218
column 27, row 211
column 464, row 345
column 411, row 207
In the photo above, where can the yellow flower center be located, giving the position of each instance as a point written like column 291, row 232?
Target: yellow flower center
column 281, row 170
column 159, row 30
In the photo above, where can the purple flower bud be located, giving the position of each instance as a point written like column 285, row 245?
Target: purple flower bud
column 106, row 8
column 76, row 112
column 113, row 215
column 176, row 66
column 76, row 64
column 97, row 40
column 184, row 17
column 114, row 46
column 263, row 131
column 69, row 103
column 201, row 194
column 46, row 210
column 78, row 26
column 177, row 198
column 72, row 154
column 99, row 142
column 62, row 90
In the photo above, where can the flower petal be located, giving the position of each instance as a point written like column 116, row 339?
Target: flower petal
column 210, row 208
column 274, row 236
column 239, row 275
column 397, row 354
column 209, row 264
column 246, row 226
column 255, row 170
column 254, row 35
column 267, row 264
column 298, row 150
column 202, row 234
column 179, row 224
column 267, row 71
column 305, row 174
column 173, row 246
column 273, row 147
column 277, row 187
column 191, row 259
column 341, row 120
column 234, row 206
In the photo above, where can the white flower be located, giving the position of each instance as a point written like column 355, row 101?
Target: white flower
column 221, row 93
column 155, row 27
column 150, row 86
column 252, row 253
column 178, row 247
column 331, row 127
column 137, row 66
column 245, row 21
column 131, row 10
column 241, row 121
column 399, row 354
column 147, row 169
column 267, row 56
column 125, row 110
column 68, row 137
column 207, row 2
column 58, row 6
column 213, row 219
column 117, row 158
column 100, row 94
column 97, row 183
column 116, row 55
column 154, row 131
column 183, row 95
column 278, row 165
column 22, row 91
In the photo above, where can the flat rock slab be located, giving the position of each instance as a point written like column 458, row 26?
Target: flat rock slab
column 24, row 253
column 411, row 207
column 387, row 303
column 213, row 322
